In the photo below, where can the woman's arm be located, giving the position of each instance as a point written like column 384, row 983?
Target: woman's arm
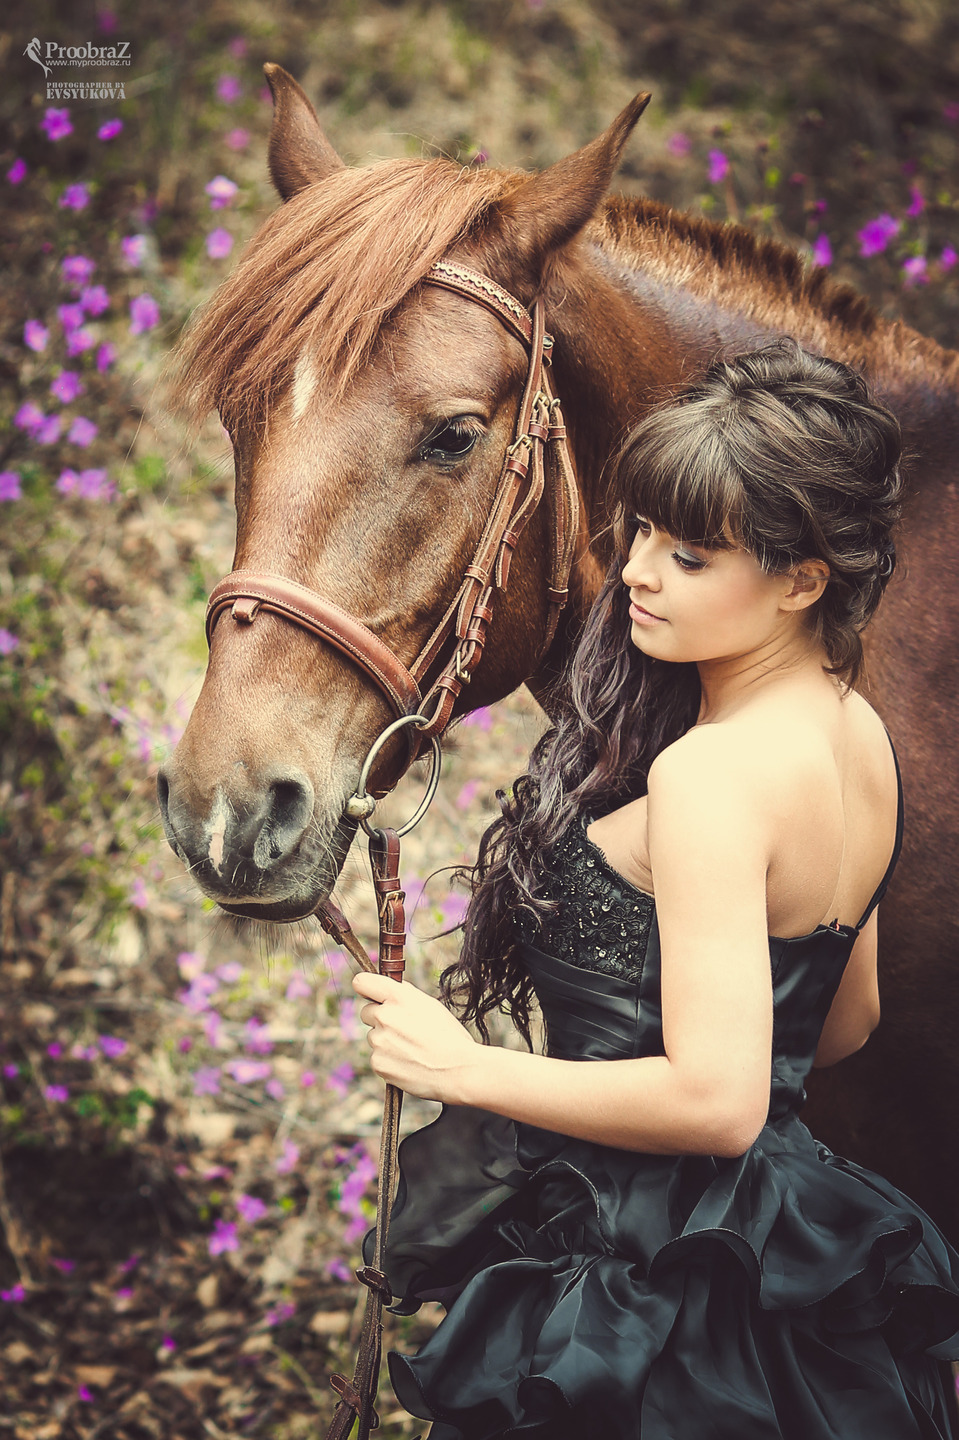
column 854, row 1013
column 709, row 1093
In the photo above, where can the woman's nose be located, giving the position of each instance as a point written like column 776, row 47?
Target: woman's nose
column 639, row 572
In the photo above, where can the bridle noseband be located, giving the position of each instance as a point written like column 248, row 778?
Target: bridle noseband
column 537, row 461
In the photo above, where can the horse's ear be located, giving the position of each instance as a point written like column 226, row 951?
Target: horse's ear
column 550, row 208
column 299, row 153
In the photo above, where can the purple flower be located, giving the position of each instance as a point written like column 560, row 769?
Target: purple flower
column 10, row 1071
column 307, row 1080
column 14, row 1296
column 481, row 718
column 67, row 483
column 91, row 489
column 10, row 485
column 237, row 47
column 821, row 251
column 110, row 130
column 251, row 1208
column 206, row 1080
column 81, row 432
column 28, row 418
column 339, row 1079
column 105, row 356
column 94, row 299
column 66, row 387
column 71, row 316
column 190, row 964
column 213, row 1028
column 221, row 192
column 948, row 258
column 874, row 237
column 168, row 1344
column 35, row 335
column 718, row 167
column 223, row 1237
column 284, row 1311
column 258, row 1040
column 197, row 995
column 339, row 1270
column 144, row 314
column 467, row 795
column 275, row 1089
column 74, row 197
column 112, row 1046
column 134, row 249
column 56, row 123
column 299, row 987
column 57, row 1093
column 48, row 432
column 288, row 1160
column 185, row 1044
column 914, row 271
column 77, row 270
column 64, row 1266
column 228, row 88
column 238, row 139
column 247, row 1072
column 8, row 643
column 219, row 243
column 80, row 340
column 107, row 21
column 950, row 111
column 916, row 204
column 85, row 1052
column 679, row 144
column 55, row 1050
column 18, row 170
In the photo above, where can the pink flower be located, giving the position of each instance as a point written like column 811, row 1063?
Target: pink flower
column 349, row 1025
column 874, row 237
column 110, row 130
column 80, row 340
column 679, row 144
column 48, row 433
column 168, row 1344
column 67, row 386
column 307, row 1080
column 258, row 1040
column 251, row 1208
column 339, row 1080
column 107, row 21
column 134, row 249
column 190, row 964
column 56, row 123
column 221, row 192
column 950, row 111
column 28, row 418
column 237, row 47
column 10, row 485
column 55, row 1050
column 231, row 972
column 228, row 88
column 74, row 197
column 35, row 335
column 57, row 1093
column 467, row 795
column 10, row 1071
column 821, row 251
column 213, row 1029
column 238, row 139
column 916, row 204
column 18, row 170
column 144, row 314
column 299, row 987
column 64, row 1266
column 275, row 1089
column 284, row 1311
column 105, row 356
column 14, row 1296
column 223, row 1238
column 185, row 1044
column 206, row 1080
column 914, row 271
column 71, row 316
column 288, row 1160
column 81, row 432
column 196, row 997
column 94, row 299
column 339, row 1270
column 718, row 167
column 219, row 243
column 247, row 1072
column 948, row 258
column 112, row 1046
column 67, row 482
column 138, row 890
column 85, row 1052
column 84, row 1394
column 481, row 718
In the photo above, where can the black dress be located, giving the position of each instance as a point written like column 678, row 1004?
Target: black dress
column 602, row 1294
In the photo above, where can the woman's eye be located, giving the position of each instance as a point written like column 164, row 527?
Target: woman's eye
column 452, row 441
column 687, row 562
column 641, row 525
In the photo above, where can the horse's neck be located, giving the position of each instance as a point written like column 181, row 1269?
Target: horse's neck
column 637, row 320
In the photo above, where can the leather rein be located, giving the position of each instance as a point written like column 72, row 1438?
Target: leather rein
column 423, row 696
column 537, row 461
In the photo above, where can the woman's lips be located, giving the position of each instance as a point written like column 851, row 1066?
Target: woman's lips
column 644, row 617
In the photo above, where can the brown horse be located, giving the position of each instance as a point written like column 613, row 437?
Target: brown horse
column 369, row 415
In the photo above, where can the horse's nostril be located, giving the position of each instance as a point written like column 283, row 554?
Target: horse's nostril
column 163, row 795
column 289, row 808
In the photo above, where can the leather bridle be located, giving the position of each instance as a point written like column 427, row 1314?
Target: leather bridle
column 537, row 462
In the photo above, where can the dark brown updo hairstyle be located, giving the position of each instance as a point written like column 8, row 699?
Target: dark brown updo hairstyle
column 779, row 451
column 783, row 453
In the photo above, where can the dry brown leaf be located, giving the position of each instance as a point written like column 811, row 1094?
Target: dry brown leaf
column 101, row 1375
column 18, row 1353
column 330, row 1322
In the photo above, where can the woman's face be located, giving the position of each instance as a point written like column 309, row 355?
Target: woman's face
column 691, row 604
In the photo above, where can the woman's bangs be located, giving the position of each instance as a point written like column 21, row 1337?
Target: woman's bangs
column 688, row 490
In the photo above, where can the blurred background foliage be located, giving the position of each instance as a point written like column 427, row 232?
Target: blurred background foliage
column 185, row 1114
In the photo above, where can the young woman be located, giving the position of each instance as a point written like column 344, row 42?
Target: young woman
column 653, row 1245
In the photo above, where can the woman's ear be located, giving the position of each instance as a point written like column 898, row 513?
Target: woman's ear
column 804, row 584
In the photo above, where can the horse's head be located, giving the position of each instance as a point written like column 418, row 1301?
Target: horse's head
column 370, row 414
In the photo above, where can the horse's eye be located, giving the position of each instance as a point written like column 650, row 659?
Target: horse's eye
column 452, row 441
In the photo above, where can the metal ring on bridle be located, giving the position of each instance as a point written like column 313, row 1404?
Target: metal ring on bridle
column 360, row 805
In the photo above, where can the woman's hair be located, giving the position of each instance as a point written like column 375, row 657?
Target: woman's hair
column 780, row 452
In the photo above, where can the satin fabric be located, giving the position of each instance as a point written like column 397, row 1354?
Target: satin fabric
column 596, row 1292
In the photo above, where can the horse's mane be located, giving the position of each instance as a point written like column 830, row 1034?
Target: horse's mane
column 324, row 271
